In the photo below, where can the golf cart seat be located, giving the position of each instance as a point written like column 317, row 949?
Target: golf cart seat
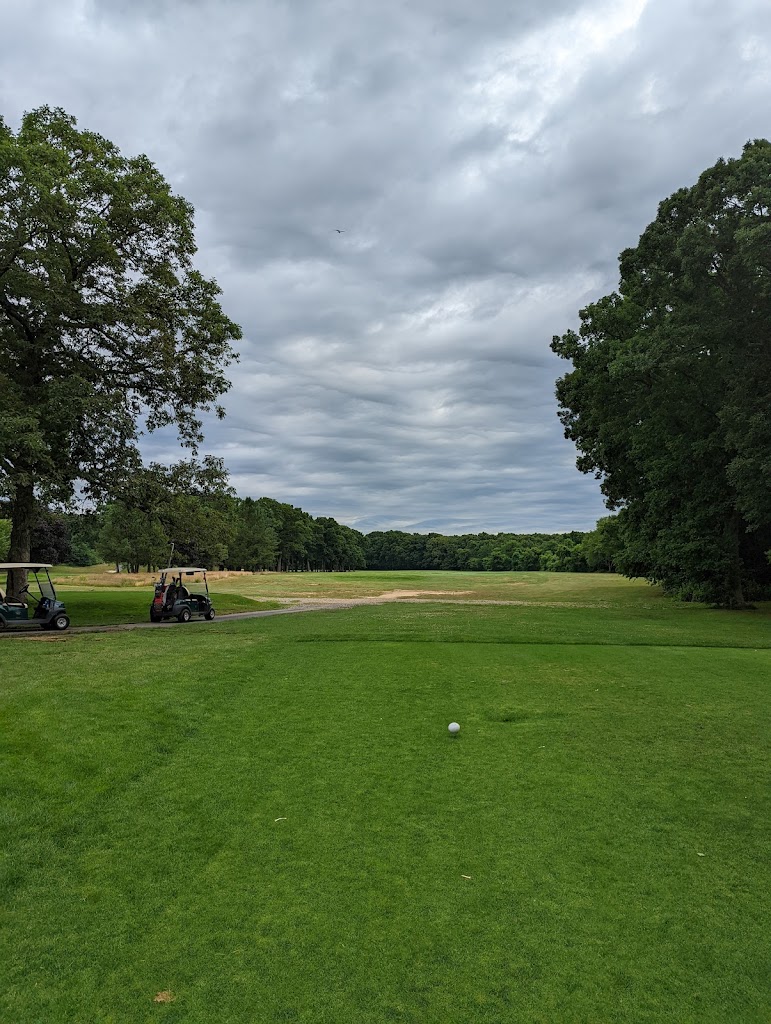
column 183, row 594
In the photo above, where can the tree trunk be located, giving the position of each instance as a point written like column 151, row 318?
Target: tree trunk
column 22, row 518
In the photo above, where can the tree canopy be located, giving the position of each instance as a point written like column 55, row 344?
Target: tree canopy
column 669, row 399
column 479, row 552
column 105, row 325
column 187, row 505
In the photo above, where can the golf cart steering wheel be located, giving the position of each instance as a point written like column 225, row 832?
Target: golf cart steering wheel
column 25, row 590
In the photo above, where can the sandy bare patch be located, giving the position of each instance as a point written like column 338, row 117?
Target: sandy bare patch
column 388, row 595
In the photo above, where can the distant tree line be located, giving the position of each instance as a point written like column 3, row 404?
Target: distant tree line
column 187, row 514
column 482, row 552
column 221, row 531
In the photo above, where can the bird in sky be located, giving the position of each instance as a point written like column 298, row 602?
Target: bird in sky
column 340, row 231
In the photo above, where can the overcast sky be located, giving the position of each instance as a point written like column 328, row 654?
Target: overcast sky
column 486, row 160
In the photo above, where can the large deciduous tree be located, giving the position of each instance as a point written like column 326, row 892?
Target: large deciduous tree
column 105, row 325
column 188, row 505
column 669, row 399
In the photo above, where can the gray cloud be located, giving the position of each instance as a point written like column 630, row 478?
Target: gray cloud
column 487, row 163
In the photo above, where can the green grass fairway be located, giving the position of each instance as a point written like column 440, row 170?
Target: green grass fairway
column 268, row 820
column 523, row 587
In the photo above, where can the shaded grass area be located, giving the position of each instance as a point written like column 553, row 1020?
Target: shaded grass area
column 100, row 607
column 270, row 821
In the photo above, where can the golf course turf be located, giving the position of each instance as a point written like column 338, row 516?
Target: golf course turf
column 103, row 607
column 267, row 820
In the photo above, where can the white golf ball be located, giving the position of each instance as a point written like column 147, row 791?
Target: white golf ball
column 454, row 728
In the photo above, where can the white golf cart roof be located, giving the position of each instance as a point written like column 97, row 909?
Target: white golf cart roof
column 181, row 569
column 25, row 565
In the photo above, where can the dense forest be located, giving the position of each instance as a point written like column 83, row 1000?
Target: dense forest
column 220, row 530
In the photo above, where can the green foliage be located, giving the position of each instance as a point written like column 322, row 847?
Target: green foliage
column 502, row 552
column 83, row 554
column 255, row 544
column 337, row 547
column 51, row 540
column 84, row 535
column 133, row 538
column 669, row 398
column 294, row 534
column 192, row 506
column 200, row 530
column 188, row 504
column 5, row 537
column 103, row 319
column 602, row 547
column 275, row 535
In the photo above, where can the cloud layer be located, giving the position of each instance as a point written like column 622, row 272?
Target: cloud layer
column 485, row 163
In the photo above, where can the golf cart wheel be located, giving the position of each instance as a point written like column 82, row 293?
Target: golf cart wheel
column 59, row 622
column 184, row 615
column 154, row 617
column 210, row 614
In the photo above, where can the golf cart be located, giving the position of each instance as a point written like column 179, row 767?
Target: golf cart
column 48, row 613
column 173, row 599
